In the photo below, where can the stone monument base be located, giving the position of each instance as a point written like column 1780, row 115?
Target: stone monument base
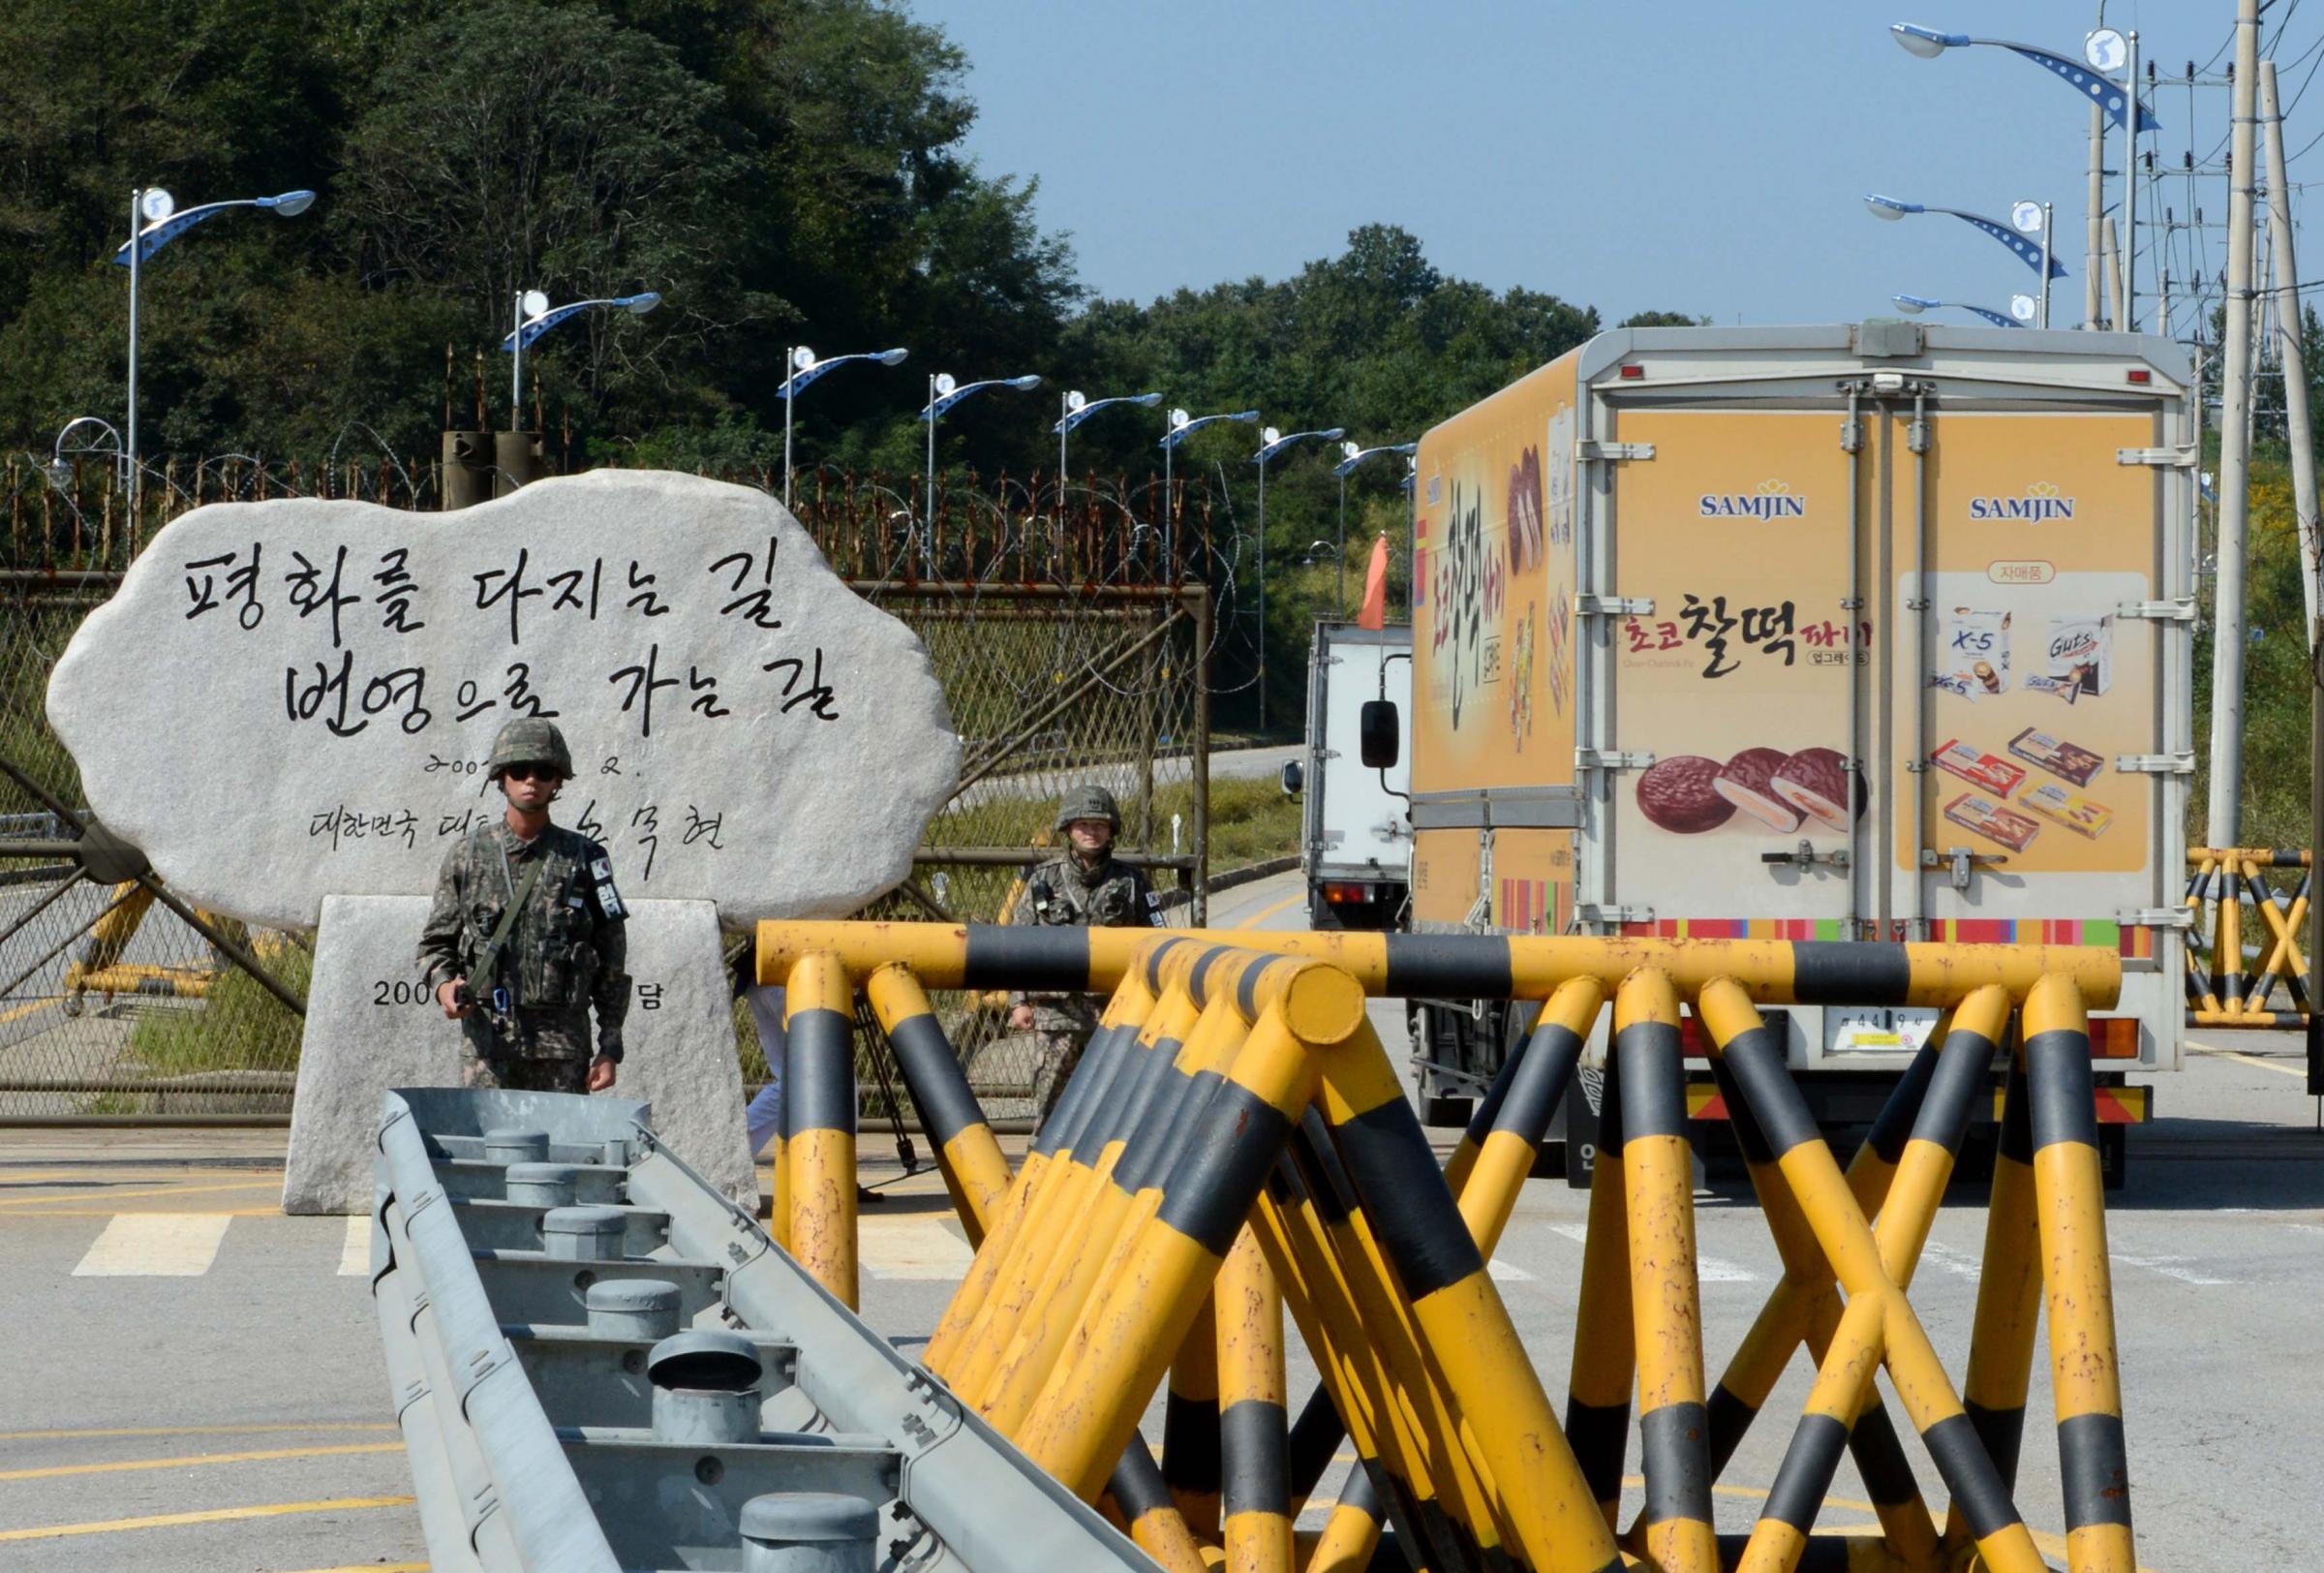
column 371, row 1025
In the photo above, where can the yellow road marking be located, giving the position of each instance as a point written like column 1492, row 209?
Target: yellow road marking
column 2299, row 1069
column 214, row 1515
column 25, row 1009
column 1265, row 913
column 120, row 1465
column 192, row 1431
column 130, row 1195
column 124, row 1211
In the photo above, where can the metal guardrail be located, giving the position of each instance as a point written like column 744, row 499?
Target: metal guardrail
column 2230, row 983
column 600, row 1365
column 1237, row 1148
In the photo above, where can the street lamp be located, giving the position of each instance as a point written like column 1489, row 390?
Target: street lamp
column 804, row 369
column 2022, row 308
column 1928, row 43
column 1182, row 427
column 57, row 470
column 943, row 395
column 1351, row 455
column 154, row 221
column 1892, row 208
column 1271, row 443
column 535, row 315
column 2104, row 51
column 1075, row 407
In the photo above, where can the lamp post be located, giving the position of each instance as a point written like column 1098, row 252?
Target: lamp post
column 1075, row 407
column 2036, row 257
column 2029, row 218
column 1182, row 426
column 535, row 315
column 1271, row 443
column 2022, row 308
column 943, row 392
column 2103, row 50
column 1351, row 455
column 154, row 221
column 804, row 369
column 58, row 471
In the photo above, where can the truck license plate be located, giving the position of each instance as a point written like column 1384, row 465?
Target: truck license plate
column 1876, row 1029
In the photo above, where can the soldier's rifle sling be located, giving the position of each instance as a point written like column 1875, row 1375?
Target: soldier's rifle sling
column 488, row 959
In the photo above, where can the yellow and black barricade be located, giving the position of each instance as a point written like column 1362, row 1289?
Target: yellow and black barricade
column 1236, row 1154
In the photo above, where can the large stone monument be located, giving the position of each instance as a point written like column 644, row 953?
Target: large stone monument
column 291, row 702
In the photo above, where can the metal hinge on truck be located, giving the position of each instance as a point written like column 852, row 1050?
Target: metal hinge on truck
column 2156, row 917
column 2178, row 610
column 1589, row 606
column 1613, row 759
column 2156, row 764
column 2169, row 458
column 1613, row 916
column 1590, row 451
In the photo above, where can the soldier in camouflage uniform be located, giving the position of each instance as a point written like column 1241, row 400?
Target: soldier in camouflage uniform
column 1081, row 885
column 525, row 1025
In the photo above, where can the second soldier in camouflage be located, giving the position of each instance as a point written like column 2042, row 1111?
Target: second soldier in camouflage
column 1082, row 886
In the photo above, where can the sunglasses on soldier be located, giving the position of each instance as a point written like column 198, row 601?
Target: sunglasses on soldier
column 533, row 772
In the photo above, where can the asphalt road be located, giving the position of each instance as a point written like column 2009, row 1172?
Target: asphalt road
column 198, row 1381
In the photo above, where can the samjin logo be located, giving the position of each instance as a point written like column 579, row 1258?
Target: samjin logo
column 1769, row 500
column 2042, row 501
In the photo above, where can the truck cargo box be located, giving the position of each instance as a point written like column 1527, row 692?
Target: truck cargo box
column 1873, row 632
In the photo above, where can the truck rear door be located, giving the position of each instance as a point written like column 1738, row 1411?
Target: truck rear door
column 2029, row 714
column 1734, row 534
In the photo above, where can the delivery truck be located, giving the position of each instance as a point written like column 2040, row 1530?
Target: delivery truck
column 1355, row 842
column 1860, row 631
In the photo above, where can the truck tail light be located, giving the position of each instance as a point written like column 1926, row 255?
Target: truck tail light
column 2140, row 374
column 1335, row 891
column 2114, row 1038
column 1633, row 372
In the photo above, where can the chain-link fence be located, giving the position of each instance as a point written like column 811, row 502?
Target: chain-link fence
column 1072, row 637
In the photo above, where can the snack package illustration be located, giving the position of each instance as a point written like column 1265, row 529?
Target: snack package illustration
column 1989, row 771
column 2082, row 652
column 2079, row 814
column 1988, row 819
column 2068, row 762
column 1974, row 661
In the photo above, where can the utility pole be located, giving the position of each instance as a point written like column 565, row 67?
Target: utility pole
column 2129, row 289
column 2293, row 354
column 2224, row 826
column 2114, row 279
column 2093, row 251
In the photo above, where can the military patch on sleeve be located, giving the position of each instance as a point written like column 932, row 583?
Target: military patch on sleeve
column 609, row 900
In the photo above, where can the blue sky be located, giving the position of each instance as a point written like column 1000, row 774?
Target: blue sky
column 1685, row 155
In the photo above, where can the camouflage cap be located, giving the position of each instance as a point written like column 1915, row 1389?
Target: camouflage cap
column 529, row 742
column 1088, row 803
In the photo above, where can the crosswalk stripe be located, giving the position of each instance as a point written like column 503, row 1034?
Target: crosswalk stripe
column 2171, row 1267
column 1504, row 1273
column 354, row 1254
column 1707, row 1269
column 912, row 1247
column 155, row 1245
column 1947, row 1259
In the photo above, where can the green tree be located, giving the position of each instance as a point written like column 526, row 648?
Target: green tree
column 514, row 144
